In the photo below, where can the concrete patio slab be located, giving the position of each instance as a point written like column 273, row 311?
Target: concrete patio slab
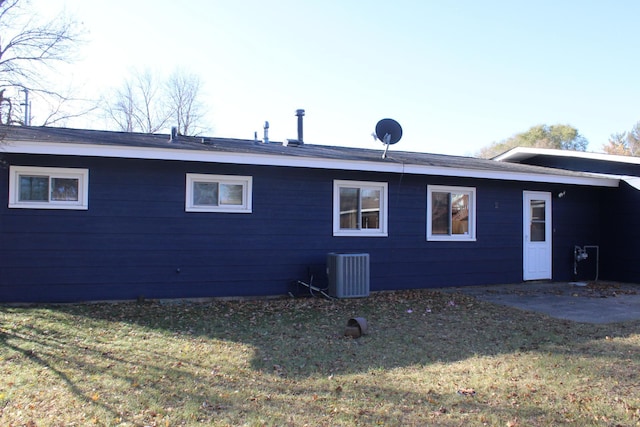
column 587, row 302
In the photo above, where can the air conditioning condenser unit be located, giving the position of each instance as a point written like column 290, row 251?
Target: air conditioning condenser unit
column 348, row 275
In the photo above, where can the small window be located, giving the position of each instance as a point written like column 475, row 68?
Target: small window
column 359, row 208
column 48, row 188
column 451, row 213
column 218, row 193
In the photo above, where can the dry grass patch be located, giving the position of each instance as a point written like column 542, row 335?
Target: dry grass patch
column 428, row 358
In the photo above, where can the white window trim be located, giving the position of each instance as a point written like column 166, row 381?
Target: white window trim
column 368, row 232
column 471, row 236
column 245, row 181
column 82, row 175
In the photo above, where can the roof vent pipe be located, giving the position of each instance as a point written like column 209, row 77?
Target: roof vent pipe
column 174, row 133
column 266, row 133
column 299, row 141
column 300, row 114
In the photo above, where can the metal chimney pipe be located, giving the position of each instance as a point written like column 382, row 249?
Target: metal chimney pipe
column 266, row 133
column 300, row 114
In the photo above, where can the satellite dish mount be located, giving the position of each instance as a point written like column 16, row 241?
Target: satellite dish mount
column 389, row 132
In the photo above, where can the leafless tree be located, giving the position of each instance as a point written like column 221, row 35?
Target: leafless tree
column 145, row 104
column 123, row 111
column 183, row 90
column 153, row 112
column 139, row 105
column 29, row 51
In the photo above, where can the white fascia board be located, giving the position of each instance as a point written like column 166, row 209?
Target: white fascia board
column 592, row 180
column 522, row 153
column 518, row 153
column 633, row 181
column 131, row 152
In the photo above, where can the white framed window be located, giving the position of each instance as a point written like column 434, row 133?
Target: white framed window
column 359, row 208
column 451, row 213
column 33, row 187
column 218, row 193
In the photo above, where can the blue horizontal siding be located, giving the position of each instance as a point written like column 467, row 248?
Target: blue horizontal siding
column 614, row 211
column 137, row 240
column 621, row 235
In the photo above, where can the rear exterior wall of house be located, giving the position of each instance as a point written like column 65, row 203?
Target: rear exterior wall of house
column 137, row 240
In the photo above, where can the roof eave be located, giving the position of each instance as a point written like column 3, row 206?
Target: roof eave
column 518, row 154
column 134, row 152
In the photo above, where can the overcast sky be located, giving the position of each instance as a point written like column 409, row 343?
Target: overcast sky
column 456, row 75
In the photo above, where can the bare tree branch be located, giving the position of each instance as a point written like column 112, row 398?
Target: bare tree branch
column 29, row 52
column 6, row 109
column 64, row 107
column 138, row 105
column 183, row 91
column 143, row 104
column 153, row 113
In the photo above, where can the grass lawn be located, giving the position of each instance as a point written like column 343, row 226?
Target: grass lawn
column 429, row 358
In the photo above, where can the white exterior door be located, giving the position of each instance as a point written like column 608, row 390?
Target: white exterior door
column 536, row 235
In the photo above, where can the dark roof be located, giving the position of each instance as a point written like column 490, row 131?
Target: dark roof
column 241, row 146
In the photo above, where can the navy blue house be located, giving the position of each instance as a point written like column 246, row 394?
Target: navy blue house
column 96, row 215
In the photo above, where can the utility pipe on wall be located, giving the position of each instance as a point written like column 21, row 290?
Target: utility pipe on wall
column 580, row 254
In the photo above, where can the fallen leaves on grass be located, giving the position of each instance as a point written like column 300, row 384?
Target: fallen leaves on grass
column 466, row 392
column 285, row 362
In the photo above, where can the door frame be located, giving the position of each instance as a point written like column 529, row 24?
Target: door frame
column 535, row 252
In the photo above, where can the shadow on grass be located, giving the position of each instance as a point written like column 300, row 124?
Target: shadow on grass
column 307, row 335
column 222, row 358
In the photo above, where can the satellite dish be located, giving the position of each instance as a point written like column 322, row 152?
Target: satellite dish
column 389, row 132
